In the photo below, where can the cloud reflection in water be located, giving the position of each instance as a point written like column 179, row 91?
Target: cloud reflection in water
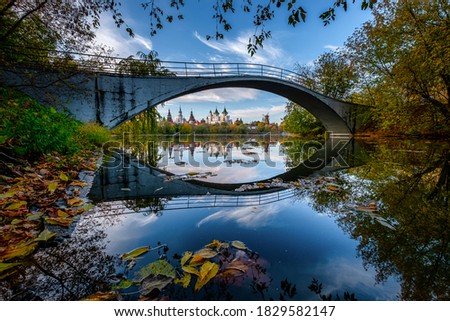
column 251, row 217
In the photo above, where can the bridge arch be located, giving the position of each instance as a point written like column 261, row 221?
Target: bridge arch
column 335, row 115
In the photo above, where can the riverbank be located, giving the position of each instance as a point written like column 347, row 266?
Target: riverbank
column 42, row 154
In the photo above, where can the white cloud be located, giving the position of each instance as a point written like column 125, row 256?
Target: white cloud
column 269, row 55
column 117, row 39
column 219, row 96
column 331, row 47
column 249, row 113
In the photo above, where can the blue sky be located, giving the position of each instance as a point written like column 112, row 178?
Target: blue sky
column 186, row 41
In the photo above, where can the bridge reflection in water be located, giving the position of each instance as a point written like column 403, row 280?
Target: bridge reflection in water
column 147, row 189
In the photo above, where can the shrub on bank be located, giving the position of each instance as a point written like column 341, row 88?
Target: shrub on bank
column 30, row 129
column 94, row 134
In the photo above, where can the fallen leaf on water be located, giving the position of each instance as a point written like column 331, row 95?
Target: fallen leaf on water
column 215, row 244
column 153, row 282
column 34, row 217
column 333, row 188
column 62, row 221
column 90, row 167
column 101, row 296
column 45, row 236
column 159, row 267
column 190, row 269
column 75, row 202
column 197, row 260
column 78, row 183
column 18, row 250
column 135, row 253
column 185, row 280
column 6, row 266
column 61, row 213
column 186, row 256
column 87, row 207
column 207, row 272
column 124, row 284
column 239, row 245
column 206, row 253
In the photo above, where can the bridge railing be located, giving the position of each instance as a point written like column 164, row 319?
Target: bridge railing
column 194, row 69
column 198, row 202
column 73, row 62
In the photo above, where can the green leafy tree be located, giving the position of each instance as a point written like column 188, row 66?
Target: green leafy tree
column 402, row 55
column 64, row 25
column 299, row 121
column 332, row 74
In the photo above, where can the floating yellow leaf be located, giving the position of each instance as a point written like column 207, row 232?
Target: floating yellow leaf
column 62, row 221
column 239, row 245
column 206, row 253
column 197, row 260
column 16, row 205
column 91, row 167
column 214, row 245
column 75, row 202
column 63, row 177
column 185, row 280
column 62, row 214
column 52, row 187
column 78, row 183
column 186, row 256
column 6, row 266
column 135, row 253
column 190, row 269
column 207, row 272
column 333, row 188
column 20, row 250
column 45, row 236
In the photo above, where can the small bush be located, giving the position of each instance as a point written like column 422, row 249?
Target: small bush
column 29, row 128
column 94, row 134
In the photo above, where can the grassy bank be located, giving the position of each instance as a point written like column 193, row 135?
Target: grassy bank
column 42, row 152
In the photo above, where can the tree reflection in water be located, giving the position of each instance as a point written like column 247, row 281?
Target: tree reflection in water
column 397, row 207
column 69, row 268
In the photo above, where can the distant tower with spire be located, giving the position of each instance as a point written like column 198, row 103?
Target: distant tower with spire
column 179, row 118
column 191, row 118
column 169, row 117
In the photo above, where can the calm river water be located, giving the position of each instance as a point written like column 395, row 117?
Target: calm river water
column 368, row 223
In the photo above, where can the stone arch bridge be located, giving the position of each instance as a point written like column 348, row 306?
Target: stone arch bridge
column 110, row 98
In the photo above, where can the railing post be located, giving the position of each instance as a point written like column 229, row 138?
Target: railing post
column 185, row 68
column 214, row 69
column 238, row 73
